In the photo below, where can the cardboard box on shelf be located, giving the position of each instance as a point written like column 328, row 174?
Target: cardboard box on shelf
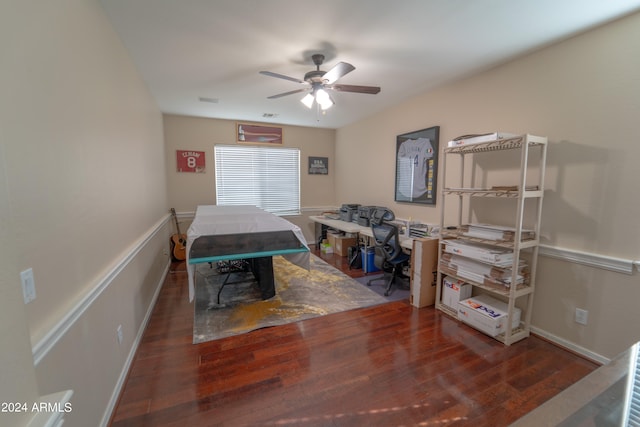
column 331, row 237
column 496, row 232
column 487, row 314
column 480, row 252
column 454, row 291
column 342, row 244
column 424, row 264
column 479, row 272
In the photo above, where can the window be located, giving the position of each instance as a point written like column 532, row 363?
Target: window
column 632, row 400
column 263, row 176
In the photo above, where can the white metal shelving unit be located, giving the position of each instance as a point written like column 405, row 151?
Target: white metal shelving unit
column 523, row 191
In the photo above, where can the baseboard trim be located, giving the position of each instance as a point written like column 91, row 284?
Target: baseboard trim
column 573, row 347
column 49, row 340
column 618, row 265
column 113, row 401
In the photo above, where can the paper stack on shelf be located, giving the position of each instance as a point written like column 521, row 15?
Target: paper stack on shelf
column 482, row 273
column 476, row 139
column 495, row 232
column 496, row 256
column 423, row 230
column 418, row 230
column 514, row 188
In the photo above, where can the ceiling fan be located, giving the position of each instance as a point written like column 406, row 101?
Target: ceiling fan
column 318, row 82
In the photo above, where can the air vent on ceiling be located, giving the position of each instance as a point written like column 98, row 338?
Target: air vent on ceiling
column 211, row 100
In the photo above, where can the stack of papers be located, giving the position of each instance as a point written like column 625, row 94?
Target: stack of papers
column 423, row 230
column 418, row 230
column 495, row 232
column 514, row 188
column 478, row 138
column 482, row 273
column 496, row 256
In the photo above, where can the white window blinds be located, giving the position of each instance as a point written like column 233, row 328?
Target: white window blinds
column 266, row 177
column 633, row 389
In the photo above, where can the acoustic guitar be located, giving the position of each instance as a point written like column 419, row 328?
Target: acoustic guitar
column 178, row 241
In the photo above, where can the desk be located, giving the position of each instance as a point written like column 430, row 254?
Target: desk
column 350, row 227
column 243, row 232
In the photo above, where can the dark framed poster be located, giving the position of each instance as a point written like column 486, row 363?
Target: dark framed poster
column 417, row 166
column 318, row 165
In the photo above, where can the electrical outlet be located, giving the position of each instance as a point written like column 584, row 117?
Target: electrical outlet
column 119, row 333
column 28, row 286
column 581, row 316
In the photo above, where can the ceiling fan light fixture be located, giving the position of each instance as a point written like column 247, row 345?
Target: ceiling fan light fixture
column 326, row 105
column 308, row 100
column 317, row 81
column 323, row 98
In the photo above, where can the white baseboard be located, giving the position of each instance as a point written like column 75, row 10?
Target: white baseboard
column 113, row 401
column 587, row 354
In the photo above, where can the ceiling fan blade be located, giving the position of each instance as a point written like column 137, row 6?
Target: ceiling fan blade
column 280, row 95
column 339, row 70
column 281, row 76
column 372, row 90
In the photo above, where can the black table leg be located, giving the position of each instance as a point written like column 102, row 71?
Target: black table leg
column 262, row 269
column 226, row 279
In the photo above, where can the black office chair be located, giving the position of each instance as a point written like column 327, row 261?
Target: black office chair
column 388, row 256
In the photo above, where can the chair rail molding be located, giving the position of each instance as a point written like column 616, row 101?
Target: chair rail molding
column 49, row 340
column 618, row 265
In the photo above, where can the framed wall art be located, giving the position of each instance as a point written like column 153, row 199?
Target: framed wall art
column 190, row 161
column 417, row 166
column 318, row 165
column 258, row 134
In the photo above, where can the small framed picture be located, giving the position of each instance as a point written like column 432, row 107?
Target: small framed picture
column 190, row 161
column 318, row 165
column 247, row 133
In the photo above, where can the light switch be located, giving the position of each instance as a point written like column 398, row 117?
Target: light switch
column 28, row 286
column 582, row 316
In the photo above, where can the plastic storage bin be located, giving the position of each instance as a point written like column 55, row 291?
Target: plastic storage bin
column 368, row 265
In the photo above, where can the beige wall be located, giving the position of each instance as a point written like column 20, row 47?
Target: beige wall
column 17, row 376
column 86, row 181
column 84, row 199
column 584, row 95
column 188, row 190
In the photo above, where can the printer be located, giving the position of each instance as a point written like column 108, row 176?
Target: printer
column 349, row 212
column 364, row 213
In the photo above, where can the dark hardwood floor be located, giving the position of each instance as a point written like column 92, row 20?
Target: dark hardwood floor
column 387, row 365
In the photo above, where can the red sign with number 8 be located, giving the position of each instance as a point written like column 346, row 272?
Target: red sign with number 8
column 190, row 161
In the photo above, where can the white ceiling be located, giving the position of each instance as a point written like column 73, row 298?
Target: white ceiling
column 192, row 49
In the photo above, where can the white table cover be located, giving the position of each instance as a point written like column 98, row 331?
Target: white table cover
column 212, row 220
